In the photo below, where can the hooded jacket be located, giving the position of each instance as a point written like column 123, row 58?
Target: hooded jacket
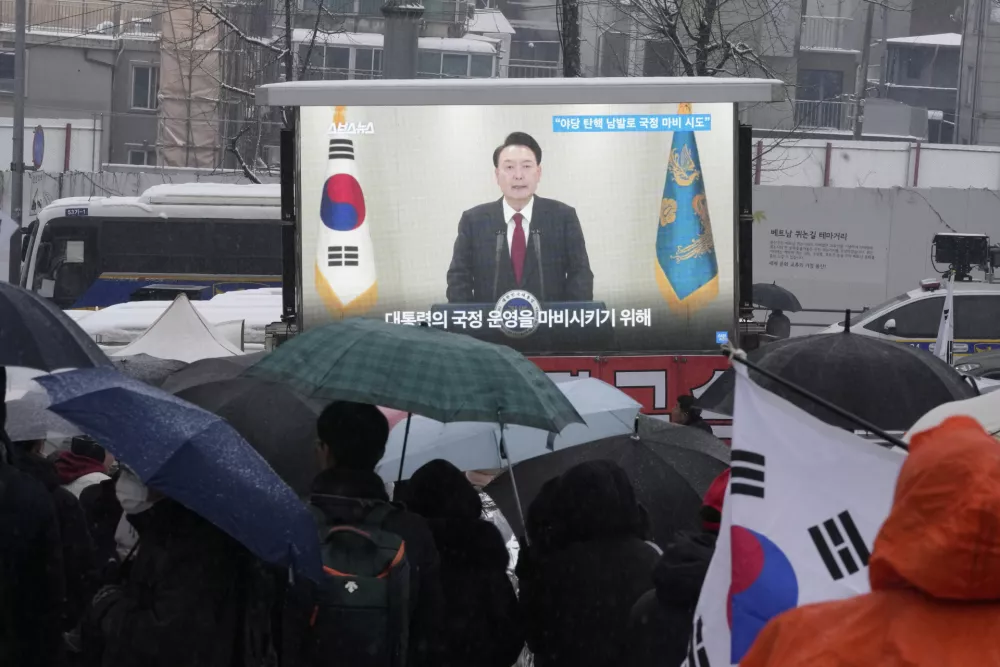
column 577, row 589
column 77, row 472
column 934, row 571
column 480, row 625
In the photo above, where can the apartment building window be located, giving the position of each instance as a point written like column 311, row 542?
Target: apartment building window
column 142, row 157
column 438, row 65
column 7, row 71
column 367, row 63
column 145, row 86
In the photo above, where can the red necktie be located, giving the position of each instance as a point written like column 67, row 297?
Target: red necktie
column 518, row 248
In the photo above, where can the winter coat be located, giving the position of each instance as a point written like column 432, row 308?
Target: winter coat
column 334, row 486
column 578, row 591
column 480, row 625
column 78, row 553
column 185, row 599
column 660, row 623
column 32, row 579
column 934, row 571
column 103, row 511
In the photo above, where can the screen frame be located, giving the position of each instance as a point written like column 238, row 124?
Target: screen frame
column 500, row 92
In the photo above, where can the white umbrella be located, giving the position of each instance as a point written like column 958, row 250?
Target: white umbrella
column 985, row 409
column 476, row 445
column 28, row 417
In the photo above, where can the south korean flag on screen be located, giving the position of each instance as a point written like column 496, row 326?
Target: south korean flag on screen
column 804, row 504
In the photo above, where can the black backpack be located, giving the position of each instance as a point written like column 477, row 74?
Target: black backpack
column 361, row 616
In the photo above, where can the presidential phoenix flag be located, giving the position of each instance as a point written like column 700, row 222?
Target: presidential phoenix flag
column 345, row 259
column 946, row 327
column 804, row 503
column 687, row 271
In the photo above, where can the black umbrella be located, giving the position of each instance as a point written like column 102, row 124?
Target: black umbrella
column 774, row 297
column 210, row 370
column 279, row 423
column 151, row 370
column 888, row 384
column 35, row 333
column 669, row 474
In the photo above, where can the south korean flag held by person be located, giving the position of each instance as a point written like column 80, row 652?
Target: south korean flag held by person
column 804, row 504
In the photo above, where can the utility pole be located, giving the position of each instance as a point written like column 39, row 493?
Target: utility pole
column 861, row 90
column 571, row 38
column 17, row 155
column 883, row 73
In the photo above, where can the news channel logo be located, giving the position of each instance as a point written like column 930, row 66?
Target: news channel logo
column 352, row 128
column 721, row 337
column 526, row 308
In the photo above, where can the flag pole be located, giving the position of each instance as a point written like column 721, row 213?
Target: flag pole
column 804, row 393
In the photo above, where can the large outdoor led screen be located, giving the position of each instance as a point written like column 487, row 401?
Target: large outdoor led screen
column 559, row 228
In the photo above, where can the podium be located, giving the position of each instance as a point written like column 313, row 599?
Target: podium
column 571, row 326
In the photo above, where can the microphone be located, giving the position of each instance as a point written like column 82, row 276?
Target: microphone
column 500, row 233
column 537, row 233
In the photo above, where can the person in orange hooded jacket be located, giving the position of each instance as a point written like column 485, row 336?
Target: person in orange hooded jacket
column 935, row 571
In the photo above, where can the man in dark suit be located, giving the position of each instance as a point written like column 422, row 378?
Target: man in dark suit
column 520, row 241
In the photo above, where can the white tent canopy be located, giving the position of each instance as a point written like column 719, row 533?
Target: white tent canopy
column 181, row 333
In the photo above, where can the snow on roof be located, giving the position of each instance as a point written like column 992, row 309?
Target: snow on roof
column 193, row 193
column 181, row 333
column 375, row 40
column 490, row 21
column 942, row 39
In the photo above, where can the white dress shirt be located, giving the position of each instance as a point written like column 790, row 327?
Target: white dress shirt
column 508, row 215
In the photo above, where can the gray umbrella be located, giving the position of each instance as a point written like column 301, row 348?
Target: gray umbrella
column 888, row 384
column 28, row 417
column 210, row 370
column 775, row 297
column 278, row 422
column 148, row 369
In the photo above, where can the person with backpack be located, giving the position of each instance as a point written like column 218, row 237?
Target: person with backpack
column 381, row 602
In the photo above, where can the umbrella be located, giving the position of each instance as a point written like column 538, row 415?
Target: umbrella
column 149, row 369
column 441, row 375
column 279, row 423
column 35, row 333
column 888, row 384
column 774, row 297
column 28, row 417
column 194, row 457
column 985, row 409
column 660, row 430
column 606, row 410
column 670, row 478
column 210, row 370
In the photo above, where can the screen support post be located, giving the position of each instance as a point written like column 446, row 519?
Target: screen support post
column 288, row 227
column 749, row 336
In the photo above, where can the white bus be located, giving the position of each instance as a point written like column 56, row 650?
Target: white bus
column 198, row 238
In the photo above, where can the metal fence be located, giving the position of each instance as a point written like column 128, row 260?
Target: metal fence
column 533, row 69
column 828, row 114
column 827, row 33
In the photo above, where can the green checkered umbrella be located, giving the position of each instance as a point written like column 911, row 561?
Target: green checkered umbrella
column 444, row 376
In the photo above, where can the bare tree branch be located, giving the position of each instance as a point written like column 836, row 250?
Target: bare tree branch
column 257, row 41
column 312, row 41
column 235, row 150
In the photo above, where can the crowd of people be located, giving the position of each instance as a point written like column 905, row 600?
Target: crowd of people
column 101, row 570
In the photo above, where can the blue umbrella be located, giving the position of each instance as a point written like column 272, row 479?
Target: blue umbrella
column 194, row 457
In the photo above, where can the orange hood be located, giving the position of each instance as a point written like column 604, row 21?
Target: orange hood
column 942, row 536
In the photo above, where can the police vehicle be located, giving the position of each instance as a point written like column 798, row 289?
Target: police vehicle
column 913, row 318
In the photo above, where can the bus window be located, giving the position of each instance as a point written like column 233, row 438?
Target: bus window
column 133, row 252
column 66, row 263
